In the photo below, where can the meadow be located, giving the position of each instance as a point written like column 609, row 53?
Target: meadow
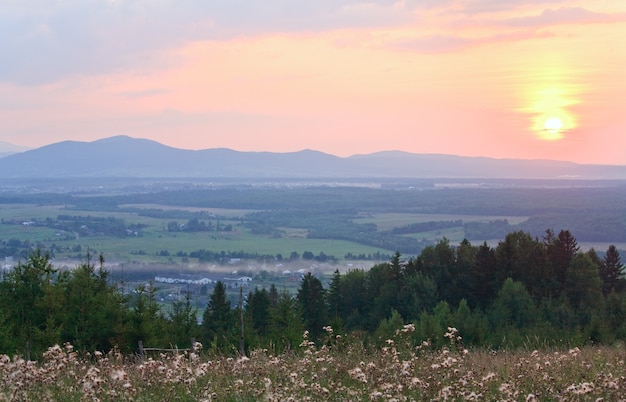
column 341, row 369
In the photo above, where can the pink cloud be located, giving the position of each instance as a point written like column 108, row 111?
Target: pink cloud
column 565, row 15
column 433, row 44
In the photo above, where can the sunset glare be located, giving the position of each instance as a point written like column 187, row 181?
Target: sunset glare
column 517, row 79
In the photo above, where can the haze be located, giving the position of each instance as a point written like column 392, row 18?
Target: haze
column 536, row 79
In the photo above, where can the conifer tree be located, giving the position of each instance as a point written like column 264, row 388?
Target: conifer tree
column 183, row 323
column 286, row 326
column 218, row 319
column 312, row 299
column 612, row 271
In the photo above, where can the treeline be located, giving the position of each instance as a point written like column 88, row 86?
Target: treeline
column 525, row 291
column 420, row 227
column 196, row 225
column 337, row 224
column 592, row 226
column 85, row 225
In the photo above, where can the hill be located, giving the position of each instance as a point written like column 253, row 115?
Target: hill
column 7, row 149
column 123, row 156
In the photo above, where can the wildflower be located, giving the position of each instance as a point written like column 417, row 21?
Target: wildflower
column 445, row 393
column 452, row 333
column 358, row 374
column 490, row 376
column 118, row 375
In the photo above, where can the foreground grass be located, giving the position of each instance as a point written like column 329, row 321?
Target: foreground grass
column 342, row 370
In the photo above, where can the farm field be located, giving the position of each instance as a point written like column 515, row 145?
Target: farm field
column 157, row 249
column 155, row 237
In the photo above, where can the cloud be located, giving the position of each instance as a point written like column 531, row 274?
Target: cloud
column 490, row 6
column 564, row 15
column 433, row 44
column 43, row 41
column 144, row 93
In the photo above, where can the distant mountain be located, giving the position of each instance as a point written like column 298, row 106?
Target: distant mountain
column 7, row 149
column 123, row 156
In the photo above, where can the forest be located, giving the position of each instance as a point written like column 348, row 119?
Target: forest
column 525, row 292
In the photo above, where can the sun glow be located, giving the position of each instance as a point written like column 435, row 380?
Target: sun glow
column 553, row 124
column 553, row 129
column 552, row 118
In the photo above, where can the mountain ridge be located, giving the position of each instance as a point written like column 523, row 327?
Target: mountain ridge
column 124, row 156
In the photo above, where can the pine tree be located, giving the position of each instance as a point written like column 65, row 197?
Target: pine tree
column 218, row 321
column 286, row 326
column 28, row 307
column 93, row 308
column 312, row 299
column 484, row 281
column 611, row 271
column 258, row 309
column 183, row 323
column 146, row 322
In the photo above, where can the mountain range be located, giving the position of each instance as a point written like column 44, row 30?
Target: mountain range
column 7, row 149
column 123, row 156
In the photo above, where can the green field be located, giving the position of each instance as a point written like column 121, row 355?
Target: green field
column 155, row 237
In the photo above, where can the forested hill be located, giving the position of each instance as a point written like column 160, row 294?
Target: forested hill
column 124, row 156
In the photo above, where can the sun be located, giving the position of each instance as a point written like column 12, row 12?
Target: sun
column 552, row 118
column 553, row 124
column 553, row 129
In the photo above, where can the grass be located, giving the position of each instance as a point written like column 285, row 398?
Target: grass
column 341, row 370
column 118, row 248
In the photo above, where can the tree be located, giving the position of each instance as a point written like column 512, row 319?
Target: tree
column 312, row 299
column 182, row 321
column 388, row 327
column 439, row 262
column 418, row 293
column 356, row 304
column 30, row 305
column 146, row 322
column 218, row 319
column 286, row 326
column 258, row 309
column 93, row 310
column 583, row 286
column 483, row 282
column 611, row 271
column 513, row 307
column 560, row 250
column 335, row 299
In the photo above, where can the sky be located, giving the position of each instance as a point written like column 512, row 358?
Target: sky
column 529, row 79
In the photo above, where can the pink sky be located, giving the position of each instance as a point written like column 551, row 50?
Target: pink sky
column 506, row 79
